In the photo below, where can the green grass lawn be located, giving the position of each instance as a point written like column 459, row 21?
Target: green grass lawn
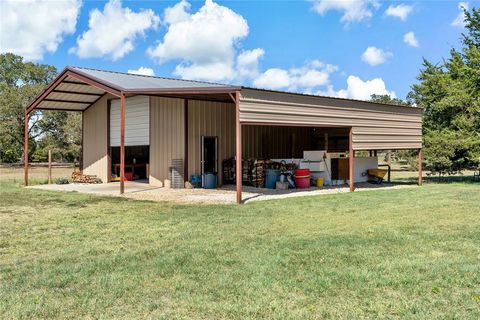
column 403, row 253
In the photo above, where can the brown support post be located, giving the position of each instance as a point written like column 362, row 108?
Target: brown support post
column 420, row 158
column 109, row 149
column 350, row 159
column 122, row 144
column 81, row 150
column 185, row 162
column 25, row 149
column 238, row 162
column 49, row 166
column 325, row 140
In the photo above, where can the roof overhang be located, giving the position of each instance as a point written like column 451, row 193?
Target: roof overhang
column 71, row 91
column 74, row 90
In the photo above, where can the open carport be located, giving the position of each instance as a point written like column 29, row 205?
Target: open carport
column 167, row 131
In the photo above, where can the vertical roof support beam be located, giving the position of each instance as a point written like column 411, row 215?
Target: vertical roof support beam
column 25, row 149
column 238, row 161
column 185, row 162
column 351, row 154
column 122, row 143
column 420, row 160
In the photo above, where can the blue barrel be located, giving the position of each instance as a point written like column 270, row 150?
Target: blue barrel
column 196, row 180
column 271, row 178
column 209, row 180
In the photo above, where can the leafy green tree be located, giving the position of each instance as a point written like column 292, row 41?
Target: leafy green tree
column 449, row 92
column 64, row 140
column 20, row 83
column 385, row 98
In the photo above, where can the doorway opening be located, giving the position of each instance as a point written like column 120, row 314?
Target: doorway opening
column 136, row 163
column 209, row 160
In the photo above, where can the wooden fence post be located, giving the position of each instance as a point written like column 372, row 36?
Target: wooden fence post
column 49, row 166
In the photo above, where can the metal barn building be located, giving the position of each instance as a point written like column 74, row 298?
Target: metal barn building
column 150, row 124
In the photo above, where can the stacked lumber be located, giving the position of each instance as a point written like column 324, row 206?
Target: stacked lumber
column 85, row 178
column 258, row 173
column 228, row 166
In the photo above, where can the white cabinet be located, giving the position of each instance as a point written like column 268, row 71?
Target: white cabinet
column 313, row 165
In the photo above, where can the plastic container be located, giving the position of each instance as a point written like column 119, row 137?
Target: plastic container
column 302, row 172
column 196, row 180
column 319, row 182
column 209, row 180
column 302, row 178
column 271, row 178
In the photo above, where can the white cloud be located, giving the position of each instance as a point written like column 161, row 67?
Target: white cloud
column 112, row 33
column 353, row 10
column 213, row 71
column 247, row 63
column 401, row 11
column 410, row 39
column 359, row 89
column 305, row 79
column 459, row 20
column 32, row 28
column 374, row 56
column 177, row 13
column 142, row 71
column 273, row 78
column 205, row 42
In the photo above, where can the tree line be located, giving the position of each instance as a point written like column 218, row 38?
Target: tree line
column 448, row 92
column 60, row 131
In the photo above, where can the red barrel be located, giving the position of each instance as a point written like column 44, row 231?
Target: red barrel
column 302, row 178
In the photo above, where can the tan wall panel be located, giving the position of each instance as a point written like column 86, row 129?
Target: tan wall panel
column 390, row 145
column 375, row 126
column 167, row 136
column 95, row 158
column 208, row 118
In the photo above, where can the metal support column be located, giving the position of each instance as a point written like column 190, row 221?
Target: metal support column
column 238, row 162
column 351, row 155
column 122, row 143
column 25, row 149
column 420, row 159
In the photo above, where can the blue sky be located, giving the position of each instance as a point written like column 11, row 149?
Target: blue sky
column 339, row 48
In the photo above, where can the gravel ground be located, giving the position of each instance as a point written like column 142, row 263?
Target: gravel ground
column 227, row 194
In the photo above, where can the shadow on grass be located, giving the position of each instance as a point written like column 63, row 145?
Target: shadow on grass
column 468, row 179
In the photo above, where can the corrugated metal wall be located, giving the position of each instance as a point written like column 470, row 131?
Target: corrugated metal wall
column 167, row 136
column 375, row 126
column 95, row 158
column 208, row 118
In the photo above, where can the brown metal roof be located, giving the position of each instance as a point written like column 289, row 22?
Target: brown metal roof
column 75, row 89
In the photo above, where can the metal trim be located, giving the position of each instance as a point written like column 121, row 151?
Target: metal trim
column 66, row 101
column 76, row 92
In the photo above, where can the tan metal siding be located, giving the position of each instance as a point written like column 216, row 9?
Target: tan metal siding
column 167, row 132
column 208, row 118
column 95, row 158
column 375, row 126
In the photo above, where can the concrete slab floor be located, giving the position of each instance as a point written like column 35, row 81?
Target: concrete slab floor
column 224, row 195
